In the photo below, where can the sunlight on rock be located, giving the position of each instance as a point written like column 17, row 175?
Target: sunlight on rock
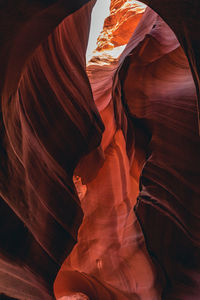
column 77, row 296
column 112, row 25
column 100, row 12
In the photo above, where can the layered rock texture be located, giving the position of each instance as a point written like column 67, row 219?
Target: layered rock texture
column 120, row 24
column 118, row 28
column 99, row 176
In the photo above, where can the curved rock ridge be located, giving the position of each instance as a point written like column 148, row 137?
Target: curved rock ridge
column 35, row 145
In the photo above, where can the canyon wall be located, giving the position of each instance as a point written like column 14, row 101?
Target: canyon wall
column 49, row 123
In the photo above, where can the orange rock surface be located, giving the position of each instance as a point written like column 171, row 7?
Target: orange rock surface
column 120, row 24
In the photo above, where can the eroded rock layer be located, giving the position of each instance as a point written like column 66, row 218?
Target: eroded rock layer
column 51, row 130
column 120, row 24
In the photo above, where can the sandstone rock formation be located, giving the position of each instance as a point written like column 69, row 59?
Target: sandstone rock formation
column 120, row 24
column 143, row 126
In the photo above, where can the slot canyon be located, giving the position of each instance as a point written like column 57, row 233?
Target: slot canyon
column 99, row 152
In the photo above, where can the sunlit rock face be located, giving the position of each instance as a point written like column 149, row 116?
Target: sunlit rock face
column 120, row 24
column 118, row 28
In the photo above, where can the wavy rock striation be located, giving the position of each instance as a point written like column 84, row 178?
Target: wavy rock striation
column 131, row 140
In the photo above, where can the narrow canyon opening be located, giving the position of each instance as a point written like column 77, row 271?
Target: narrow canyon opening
column 112, row 25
